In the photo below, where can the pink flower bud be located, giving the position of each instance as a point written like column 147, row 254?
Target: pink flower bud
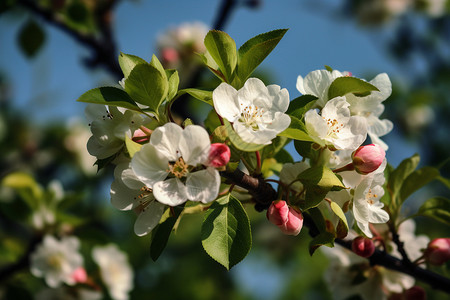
column 438, row 251
column 169, row 55
column 415, row 293
column 367, row 159
column 286, row 218
column 363, row 246
column 219, row 155
column 80, row 275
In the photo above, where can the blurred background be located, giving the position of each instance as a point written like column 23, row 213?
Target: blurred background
column 52, row 51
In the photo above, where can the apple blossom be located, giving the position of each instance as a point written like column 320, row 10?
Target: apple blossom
column 115, row 270
column 368, row 158
column 289, row 220
column 256, row 111
column 129, row 193
column 80, row 275
column 109, row 126
column 438, row 251
column 334, row 127
column 174, row 165
column 56, row 260
column 363, row 247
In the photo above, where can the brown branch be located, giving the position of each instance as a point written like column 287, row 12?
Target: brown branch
column 103, row 46
column 264, row 194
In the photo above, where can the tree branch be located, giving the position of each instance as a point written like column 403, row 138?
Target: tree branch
column 263, row 194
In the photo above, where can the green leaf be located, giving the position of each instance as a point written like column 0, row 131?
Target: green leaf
column 109, row 96
column 132, row 146
column 338, row 211
column 322, row 177
column 226, row 234
column 398, row 176
column 31, row 38
column 205, row 96
column 437, row 208
column 157, row 64
column 127, row 63
column 444, row 180
column 321, row 236
column 26, row 186
column 223, row 50
column 417, row 180
column 276, row 146
column 255, row 50
column 147, row 85
column 328, row 68
column 238, row 142
column 161, row 233
column 342, row 86
column 300, row 105
column 174, row 81
column 296, row 131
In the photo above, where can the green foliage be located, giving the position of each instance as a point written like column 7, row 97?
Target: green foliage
column 342, row 86
column 26, row 186
column 109, row 96
column 322, row 236
column 127, row 63
column 226, row 234
column 416, row 180
column 338, row 211
column 147, row 85
column 31, row 38
column 174, row 81
column 132, row 146
column 161, row 233
column 300, row 105
column 296, row 131
column 205, row 96
column 398, row 176
column 222, row 49
column 252, row 53
column 437, row 208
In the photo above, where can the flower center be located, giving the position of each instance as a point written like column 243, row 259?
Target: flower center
column 251, row 115
column 178, row 168
column 56, row 261
column 370, row 197
column 144, row 199
column 334, row 126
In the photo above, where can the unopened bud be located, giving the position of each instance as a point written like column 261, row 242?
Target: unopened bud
column 438, row 251
column 80, row 275
column 169, row 55
column 289, row 220
column 363, row 247
column 219, row 155
column 415, row 293
column 368, row 158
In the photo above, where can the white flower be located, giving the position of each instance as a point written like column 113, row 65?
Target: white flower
column 367, row 207
column 173, row 164
column 370, row 107
column 44, row 215
column 56, row 260
column 317, row 83
column 115, row 270
column 186, row 35
column 75, row 142
column 109, row 127
column 129, row 193
column 335, row 127
column 256, row 111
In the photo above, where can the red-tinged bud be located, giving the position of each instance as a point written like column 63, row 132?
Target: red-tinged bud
column 169, row 55
column 80, row 275
column 438, row 251
column 286, row 218
column 368, row 158
column 363, row 246
column 219, row 155
column 415, row 293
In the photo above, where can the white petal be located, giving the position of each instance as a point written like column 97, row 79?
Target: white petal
column 149, row 165
column 280, row 98
column 170, row 192
column 203, row 186
column 247, row 134
column 195, row 145
column 364, row 226
column 380, row 127
column 225, row 99
column 300, row 85
column 166, row 139
column 255, row 92
column 316, row 126
column 149, row 218
column 383, row 83
column 121, row 196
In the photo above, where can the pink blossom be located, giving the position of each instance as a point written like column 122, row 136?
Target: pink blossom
column 169, row 55
column 219, row 155
column 438, row 251
column 289, row 220
column 368, row 158
column 79, row 275
column 363, row 247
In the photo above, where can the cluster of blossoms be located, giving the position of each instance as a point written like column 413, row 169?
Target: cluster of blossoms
column 60, row 262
